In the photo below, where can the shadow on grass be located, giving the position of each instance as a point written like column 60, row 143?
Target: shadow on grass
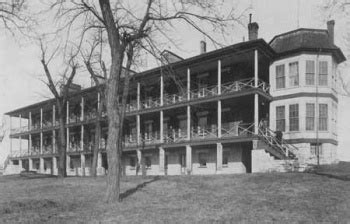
column 338, row 177
column 131, row 191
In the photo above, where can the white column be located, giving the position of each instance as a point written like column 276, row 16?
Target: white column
column 188, row 159
column 188, row 84
column 10, row 137
column 68, row 164
column 53, row 115
column 20, row 137
column 41, row 142
column 188, row 122
column 161, row 90
column 139, row 160
column 219, row 77
column 161, row 126
column 161, row 161
column 67, row 113
column 53, row 141
column 41, row 118
column 20, row 122
column 100, row 169
column 98, row 100
column 138, row 129
column 82, row 164
column 30, row 121
column 218, row 156
column 20, row 164
column 256, row 64
column 67, row 140
column 219, row 119
column 138, row 96
column 30, row 161
column 54, row 165
column 42, row 168
column 41, row 133
column 256, row 113
column 30, row 143
column 82, row 109
column 82, row 138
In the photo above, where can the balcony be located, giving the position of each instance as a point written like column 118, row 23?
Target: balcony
column 204, row 132
column 204, row 92
column 175, row 136
column 19, row 130
column 237, row 128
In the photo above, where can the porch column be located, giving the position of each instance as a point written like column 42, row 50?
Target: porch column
column 20, row 164
column 161, row 161
column 138, row 129
column 41, row 142
column 219, row 119
column 41, row 118
column 189, row 159
column 10, row 137
column 256, row 65
column 30, row 121
column 67, row 140
column 161, row 126
column 68, row 164
column 41, row 167
column 219, row 77
column 188, row 84
column 67, row 112
column 82, row 138
column 100, row 169
column 161, row 112
column 53, row 115
column 138, row 96
column 20, row 137
column 53, row 131
column 256, row 113
column 30, row 144
column 30, row 164
column 188, row 123
column 218, row 156
column 53, row 141
column 82, row 109
column 82, row 164
column 139, row 161
column 41, row 130
column 54, row 166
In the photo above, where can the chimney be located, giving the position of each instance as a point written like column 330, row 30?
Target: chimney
column 253, row 29
column 203, row 47
column 330, row 28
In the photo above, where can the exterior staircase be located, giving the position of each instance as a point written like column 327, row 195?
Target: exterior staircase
column 276, row 147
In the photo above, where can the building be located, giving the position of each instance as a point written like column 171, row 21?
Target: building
column 215, row 113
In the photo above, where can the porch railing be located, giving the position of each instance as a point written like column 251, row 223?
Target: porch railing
column 204, row 92
column 204, row 132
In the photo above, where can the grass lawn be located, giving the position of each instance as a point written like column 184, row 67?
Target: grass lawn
column 249, row 198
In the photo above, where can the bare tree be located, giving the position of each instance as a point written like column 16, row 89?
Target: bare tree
column 60, row 90
column 131, row 27
column 12, row 16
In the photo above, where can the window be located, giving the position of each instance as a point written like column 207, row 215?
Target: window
column 280, row 77
column 323, row 117
column 280, row 118
column 202, row 158
column 315, row 149
column 294, row 117
column 323, row 73
column 310, row 116
column 310, row 72
column 294, row 74
column 225, row 157
column 148, row 162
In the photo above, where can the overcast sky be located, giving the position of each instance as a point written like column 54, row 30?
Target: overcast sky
column 20, row 63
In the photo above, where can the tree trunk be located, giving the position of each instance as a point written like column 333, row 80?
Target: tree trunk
column 96, row 145
column 62, row 169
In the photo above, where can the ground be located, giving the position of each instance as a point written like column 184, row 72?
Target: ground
column 319, row 197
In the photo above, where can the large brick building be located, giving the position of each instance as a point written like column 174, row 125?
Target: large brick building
column 214, row 113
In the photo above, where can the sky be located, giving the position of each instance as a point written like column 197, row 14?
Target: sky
column 20, row 62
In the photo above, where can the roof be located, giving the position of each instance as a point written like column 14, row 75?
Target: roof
column 238, row 48
column 313, row 40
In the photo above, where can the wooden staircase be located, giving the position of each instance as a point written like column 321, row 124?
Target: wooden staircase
column 276, row 147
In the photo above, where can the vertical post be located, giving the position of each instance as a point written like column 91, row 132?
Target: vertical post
column 256, row 113
column 68, row 164
column 53, row 141
column 82, row 109
column 30, row 161
column 161, row 126
column 10, row 137
column 20, row 137
column 138, row 129
column 188, row 84
column 67, row 140
column 188, row 122
column 161, row 161
column 41, row 142
column 82, row 138
column 219, row 119
column 20, row 122
column 41, row 167
column 30, row 143
column 54, row 166
column 67, row 112
column 100, row 169
column 138, row 96
column 139, row 161
column 41, row 130
column 53, row 115
column 98, row 100
column 188, row 159
column 219, row 77
column 20, row 164
column 82, row 164
column 41, row 118
column 218, row 156
column 30, row 121
column 161, row 90
column 256, row 64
